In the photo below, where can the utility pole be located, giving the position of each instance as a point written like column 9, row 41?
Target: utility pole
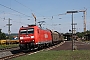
column 74, row 29
column 74, row 32
column 9, row 32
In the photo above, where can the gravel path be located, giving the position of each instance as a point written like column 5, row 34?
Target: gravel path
column 7, row 53
column 78, row 45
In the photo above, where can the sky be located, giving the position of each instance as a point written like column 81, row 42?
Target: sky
column 53, row 12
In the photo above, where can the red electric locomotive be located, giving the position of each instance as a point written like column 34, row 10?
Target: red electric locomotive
column 33, row 37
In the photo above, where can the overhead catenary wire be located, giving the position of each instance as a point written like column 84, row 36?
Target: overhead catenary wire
column 12, row 14
column 15, row 10
column 27, row 7
column 22, row 4
column 22, row 13
column 36, row 12
column 50, row 18
column 20, row 22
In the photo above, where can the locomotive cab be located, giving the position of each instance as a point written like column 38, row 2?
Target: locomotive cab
column 26, row 37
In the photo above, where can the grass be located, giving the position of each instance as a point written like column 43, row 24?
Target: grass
column 8, row 46
column 58, row 55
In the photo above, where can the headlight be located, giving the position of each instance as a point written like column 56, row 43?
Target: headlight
column 21, row 37
column 33, row 40
column 32, row 36
column 21, row 41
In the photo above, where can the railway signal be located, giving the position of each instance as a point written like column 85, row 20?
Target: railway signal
column 72, row 27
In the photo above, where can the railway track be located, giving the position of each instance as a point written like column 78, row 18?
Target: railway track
column 28, row 53
column 9, row 49
column 12, row 56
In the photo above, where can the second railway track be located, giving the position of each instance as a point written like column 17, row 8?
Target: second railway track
column 9, row 49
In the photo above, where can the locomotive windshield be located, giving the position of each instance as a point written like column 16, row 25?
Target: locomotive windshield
column 23, row 31
column 28, row 31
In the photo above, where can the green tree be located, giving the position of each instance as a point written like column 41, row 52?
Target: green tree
column 2, row 35
column 82, row 34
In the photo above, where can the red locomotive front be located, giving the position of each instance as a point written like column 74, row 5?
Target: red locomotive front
column 33, row 36
column 26, row 35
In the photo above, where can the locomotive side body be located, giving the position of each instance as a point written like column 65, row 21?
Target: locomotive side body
column 33, row 36
column 44, row 36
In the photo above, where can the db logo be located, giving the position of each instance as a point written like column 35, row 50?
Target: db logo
column 46, row 36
